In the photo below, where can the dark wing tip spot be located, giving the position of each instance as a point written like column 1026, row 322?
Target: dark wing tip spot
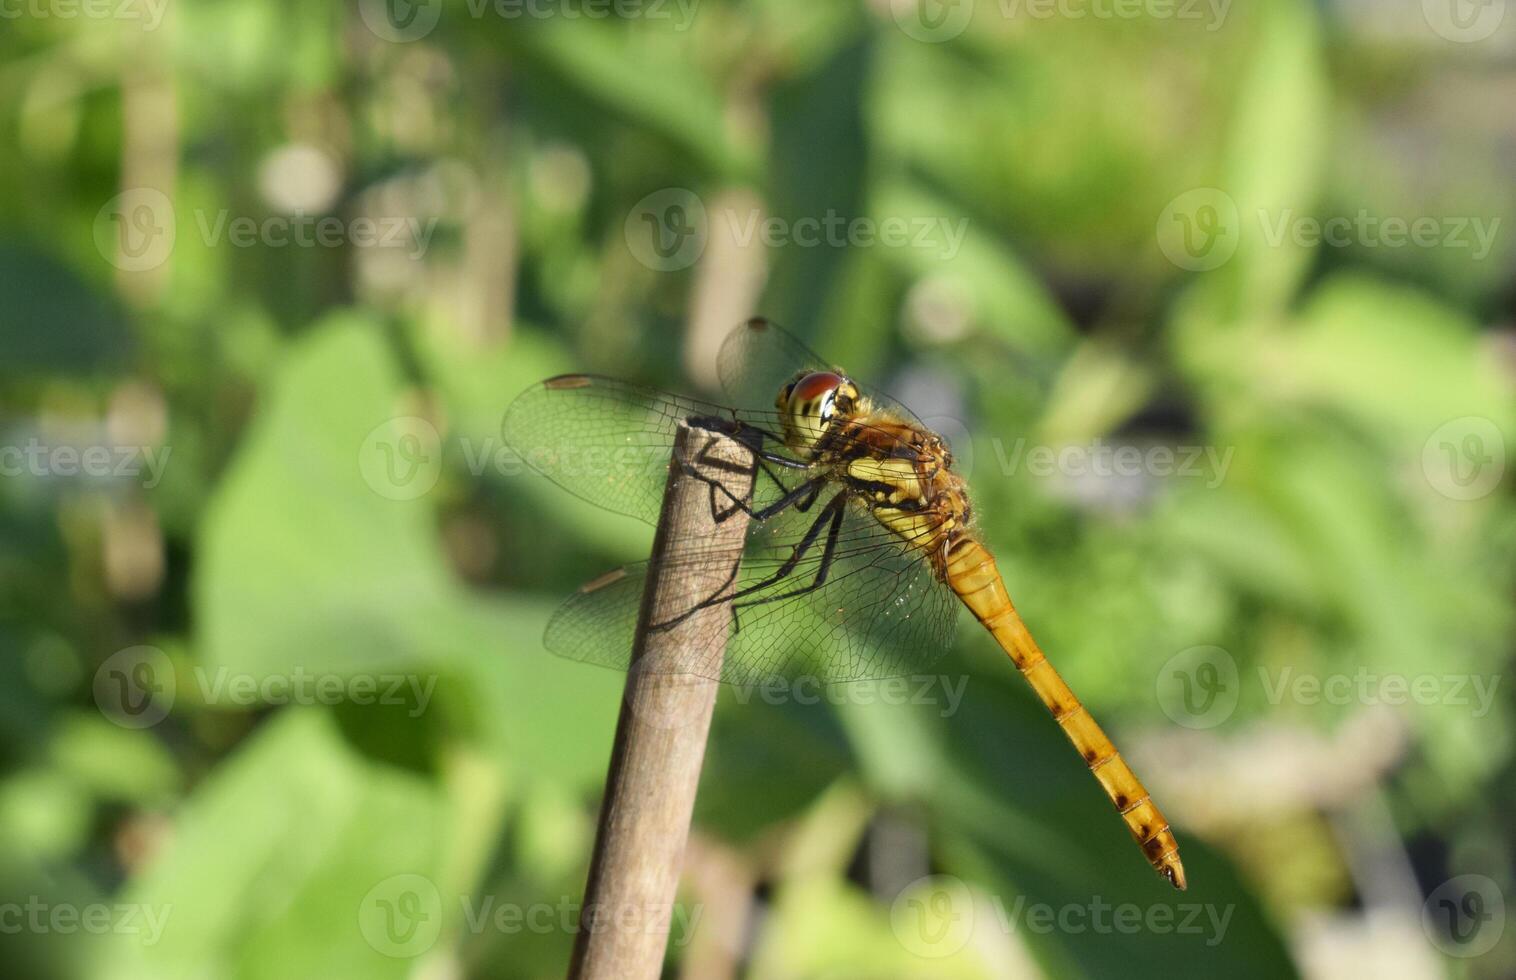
column 757, row 323
column 568, row 381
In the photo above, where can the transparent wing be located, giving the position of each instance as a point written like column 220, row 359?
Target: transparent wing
column 759, row 357
column 877, row 611
column 610, row 442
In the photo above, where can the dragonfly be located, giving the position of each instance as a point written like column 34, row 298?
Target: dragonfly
column 860, row 548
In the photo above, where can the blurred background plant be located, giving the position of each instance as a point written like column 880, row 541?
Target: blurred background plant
column 274, row 702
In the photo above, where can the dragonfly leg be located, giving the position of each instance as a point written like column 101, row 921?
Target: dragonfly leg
column 753, row 439
column 801, row 498
column 706, row 462
column 751, row 436
column 833, row 512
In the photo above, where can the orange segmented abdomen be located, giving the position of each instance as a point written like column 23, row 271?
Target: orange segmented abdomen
column 971, row 572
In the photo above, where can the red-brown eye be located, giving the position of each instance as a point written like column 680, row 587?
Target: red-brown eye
column 814, row 387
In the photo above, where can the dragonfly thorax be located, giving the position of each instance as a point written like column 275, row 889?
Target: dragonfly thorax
column 811, row 404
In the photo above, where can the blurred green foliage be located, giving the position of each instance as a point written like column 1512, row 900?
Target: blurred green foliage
column 273, row 542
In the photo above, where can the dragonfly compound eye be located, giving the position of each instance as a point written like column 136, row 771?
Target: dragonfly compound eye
column 811, row 403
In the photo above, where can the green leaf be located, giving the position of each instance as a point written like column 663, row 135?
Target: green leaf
column 304, row 561
column 312, row 569
column 1275, row 155
column 278, row 855
column 1005, row 297
column 643, row 77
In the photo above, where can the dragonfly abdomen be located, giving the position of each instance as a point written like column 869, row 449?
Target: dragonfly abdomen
column 971, row 572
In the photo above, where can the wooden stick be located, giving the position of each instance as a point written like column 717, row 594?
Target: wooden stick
column 660, row 739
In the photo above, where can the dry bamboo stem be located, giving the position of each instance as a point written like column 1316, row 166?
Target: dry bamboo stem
column 660, row 743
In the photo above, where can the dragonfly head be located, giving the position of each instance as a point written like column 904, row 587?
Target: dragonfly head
column 812, row 403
